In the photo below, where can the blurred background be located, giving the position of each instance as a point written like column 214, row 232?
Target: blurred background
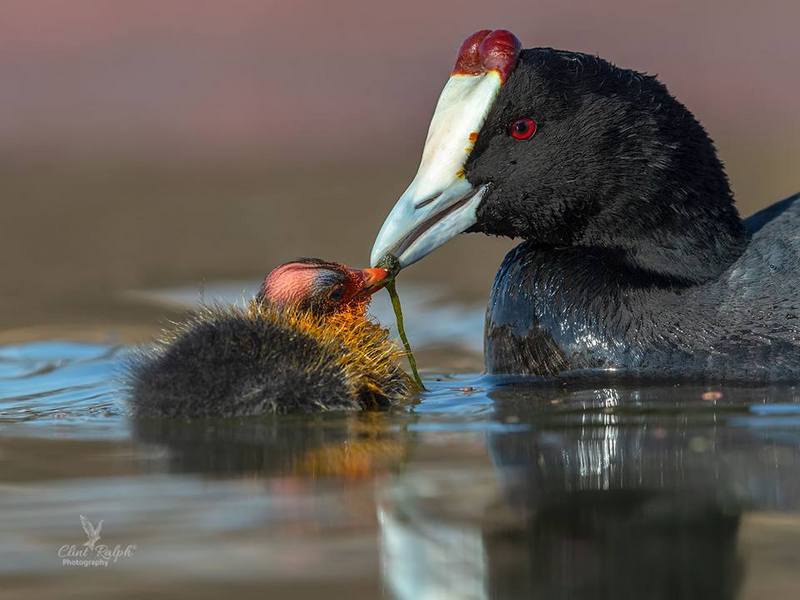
column 163, row 143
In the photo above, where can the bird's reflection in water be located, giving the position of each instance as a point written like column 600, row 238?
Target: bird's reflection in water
column 344, row 446
column 616, row 493
column 573, row 493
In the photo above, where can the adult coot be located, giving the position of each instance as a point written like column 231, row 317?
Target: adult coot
column 634, row 255
column 303, row 344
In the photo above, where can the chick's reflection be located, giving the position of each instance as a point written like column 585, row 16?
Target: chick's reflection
column 348, row 447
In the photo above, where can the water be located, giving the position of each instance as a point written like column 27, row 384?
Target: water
column 489, row 487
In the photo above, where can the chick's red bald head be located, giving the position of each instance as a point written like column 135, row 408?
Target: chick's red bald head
column 320, row 286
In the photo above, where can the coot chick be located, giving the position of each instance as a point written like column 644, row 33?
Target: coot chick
column 304, row 344
column 634, row 256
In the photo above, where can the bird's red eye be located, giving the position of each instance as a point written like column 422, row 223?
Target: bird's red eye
column 523, row 129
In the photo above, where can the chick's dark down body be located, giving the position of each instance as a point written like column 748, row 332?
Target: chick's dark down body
column 223, row 363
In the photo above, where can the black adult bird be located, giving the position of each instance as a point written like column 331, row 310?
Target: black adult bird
column 634, row 257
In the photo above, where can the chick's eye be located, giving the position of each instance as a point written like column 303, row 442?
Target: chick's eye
column 522, row 129
column 336, row 294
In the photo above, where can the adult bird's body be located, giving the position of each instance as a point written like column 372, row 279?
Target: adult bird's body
column 634, row 255
column 554, row 310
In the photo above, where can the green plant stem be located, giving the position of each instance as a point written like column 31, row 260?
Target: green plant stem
column 398, row 315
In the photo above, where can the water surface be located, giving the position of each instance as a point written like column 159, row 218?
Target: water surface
column 488, row 487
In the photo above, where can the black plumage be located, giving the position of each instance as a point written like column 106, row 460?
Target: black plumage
column 223, row 362
column 635, row 257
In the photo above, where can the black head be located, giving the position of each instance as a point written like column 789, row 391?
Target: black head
column 577, row 152
column 614, row 161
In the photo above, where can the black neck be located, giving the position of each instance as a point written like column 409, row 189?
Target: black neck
column 693, row 241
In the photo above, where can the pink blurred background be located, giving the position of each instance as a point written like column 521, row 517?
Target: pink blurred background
column 306, row 79
column 133, row 133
